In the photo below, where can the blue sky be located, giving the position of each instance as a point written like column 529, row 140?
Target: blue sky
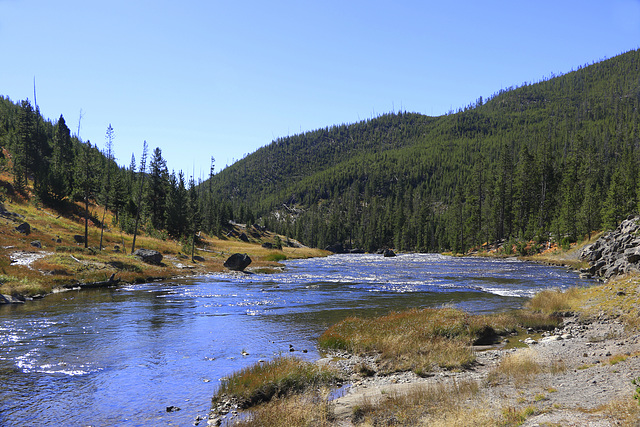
column 210, row 78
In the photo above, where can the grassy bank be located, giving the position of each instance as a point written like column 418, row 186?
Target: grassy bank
column 421, row 340
column 49, row 256
column 442, row 340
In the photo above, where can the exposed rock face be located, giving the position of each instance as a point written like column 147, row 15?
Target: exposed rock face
column 149, row 256
column 237, row 262
column 617, row 252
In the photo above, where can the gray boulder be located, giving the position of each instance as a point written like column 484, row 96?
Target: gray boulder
column 617, row 252
column 237, row 262
column 148, row 256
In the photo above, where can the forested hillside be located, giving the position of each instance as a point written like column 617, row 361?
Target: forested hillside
column 552, row 160
column 50, row 166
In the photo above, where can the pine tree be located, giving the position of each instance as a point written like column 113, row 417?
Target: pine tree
column 157, row 189
column 86, row 180
column 175, row 214
column 62, row 161
column 142, row 174
column 194, row 214
column 106, row 182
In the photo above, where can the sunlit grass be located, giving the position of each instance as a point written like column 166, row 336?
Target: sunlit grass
column 280, row 377
column 421, row 340
column 310, row 409
column 552, row 301
column 520, row 367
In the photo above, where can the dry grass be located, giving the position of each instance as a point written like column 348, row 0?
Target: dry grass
column 280, row 377
column 69, row 263
column 553, row 301
column 625, row 411
column 520, row 367
column 433, row 405
column 421, row 340
column 311, row 409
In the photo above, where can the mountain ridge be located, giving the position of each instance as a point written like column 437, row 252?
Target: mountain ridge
column 591, row 111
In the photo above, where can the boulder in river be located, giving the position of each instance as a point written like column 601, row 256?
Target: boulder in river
column 388, row 253
column 149, row 256
column 237, row 262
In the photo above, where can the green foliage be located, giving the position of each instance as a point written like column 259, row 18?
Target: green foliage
column 557, row 156
column 636, row 393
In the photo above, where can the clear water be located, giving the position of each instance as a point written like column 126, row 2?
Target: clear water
column 121, row 356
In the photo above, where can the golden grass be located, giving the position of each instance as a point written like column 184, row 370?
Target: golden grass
column 625, row 411
column 433, row 405
column 71, row 263
column 421, row 340
column 551, row 301
column 280, row 377
column 311, row 409
column 520, row 367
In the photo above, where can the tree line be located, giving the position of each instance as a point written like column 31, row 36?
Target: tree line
column 143, row 197
column 552, row 160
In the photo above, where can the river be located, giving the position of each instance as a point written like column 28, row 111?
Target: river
column 120, row 356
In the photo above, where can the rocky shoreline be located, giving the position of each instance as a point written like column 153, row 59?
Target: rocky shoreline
column 599, row 359
column 617, row 252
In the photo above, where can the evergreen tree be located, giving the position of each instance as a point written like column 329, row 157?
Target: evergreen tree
column 142, row 174
column 157, row 189
column 87, row 181
column 106, row 182
column 175, row 214
column 62, row 162
column 193, row 214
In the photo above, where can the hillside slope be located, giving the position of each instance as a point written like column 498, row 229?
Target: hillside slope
column 554, row 159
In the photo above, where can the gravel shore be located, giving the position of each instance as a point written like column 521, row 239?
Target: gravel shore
column 596, row 361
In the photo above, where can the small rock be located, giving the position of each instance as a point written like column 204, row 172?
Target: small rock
column 36, row 244
column 172, row 408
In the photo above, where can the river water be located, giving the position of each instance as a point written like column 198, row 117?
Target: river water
column 121, row 356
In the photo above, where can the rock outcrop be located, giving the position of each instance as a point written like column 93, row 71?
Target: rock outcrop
column 617, row 252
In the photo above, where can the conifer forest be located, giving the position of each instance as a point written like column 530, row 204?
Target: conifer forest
column 552, row 160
